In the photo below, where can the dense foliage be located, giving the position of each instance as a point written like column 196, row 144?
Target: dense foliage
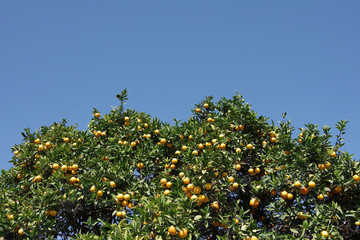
column 226, row 173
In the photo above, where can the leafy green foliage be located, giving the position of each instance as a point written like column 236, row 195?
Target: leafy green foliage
column 226, row 173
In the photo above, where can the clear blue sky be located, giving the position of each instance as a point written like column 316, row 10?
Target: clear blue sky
column 58, row 59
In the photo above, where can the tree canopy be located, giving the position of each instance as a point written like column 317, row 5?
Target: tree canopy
column 225, row 173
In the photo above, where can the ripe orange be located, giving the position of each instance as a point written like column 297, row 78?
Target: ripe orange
column 320, row 196
column 273, row 192
column 290, row 196
column 97, row 115
column 206, row 105
column 301, row 215
column 41, row 147
column 55, row 166
column 75, row 167
column 249, row 146
column 197, row 190
column 186, row 180
column 327, row 164
column 100, row 193
column 357, row 223
column 283, row 194
column 338, row 189
column 93, row 188
column 304, row 190
column 297, row 184
column 208, row 186
column 157, row 131
column 356, row 178
column 197, row 110
column 183, row 233
column 332, row 154
column 38, row 178
column 21, row 231
column 37, row 141
column 168, row 184
column 167, row 192
column 172, row 230
column 231, row 179
column 254, row 202
column 324, row 233
column 190, row 186
column 184, row 148
column 238, row 167
column 53, row 213
column 140, row 165
column 127, row 197
column 253, row 238
column 112, row 184
column 120, row 197
column 312, row 184
column 73, row 180
column 241, row 127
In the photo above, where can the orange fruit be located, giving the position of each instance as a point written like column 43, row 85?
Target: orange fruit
column 140, row 165
column 206, row 105
column 254, row 202
column 55, row 166
column 332, row 154
column 249, row 146
column 190, row 186
column 320, row 196
column 127, row 197
column 197, row 110
column 186, row 180
column 301, row 215
column 172, row 230
column 312, row 184
column 183, row 233
column 297, row 184
column 163, row 181
column 283, row 194
column 208, row 186
column 304, row 190
column 100, row 193
column 290, row 196
column 21, row 231
column 356, row 178
column 324, row 233
column 197, row 190
column 112, row 184
column 93, row 188
column 97, row 115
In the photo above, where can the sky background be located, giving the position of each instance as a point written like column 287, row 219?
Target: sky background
column 58, row 59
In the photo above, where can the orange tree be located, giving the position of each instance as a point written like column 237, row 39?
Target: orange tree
column 226, row 173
